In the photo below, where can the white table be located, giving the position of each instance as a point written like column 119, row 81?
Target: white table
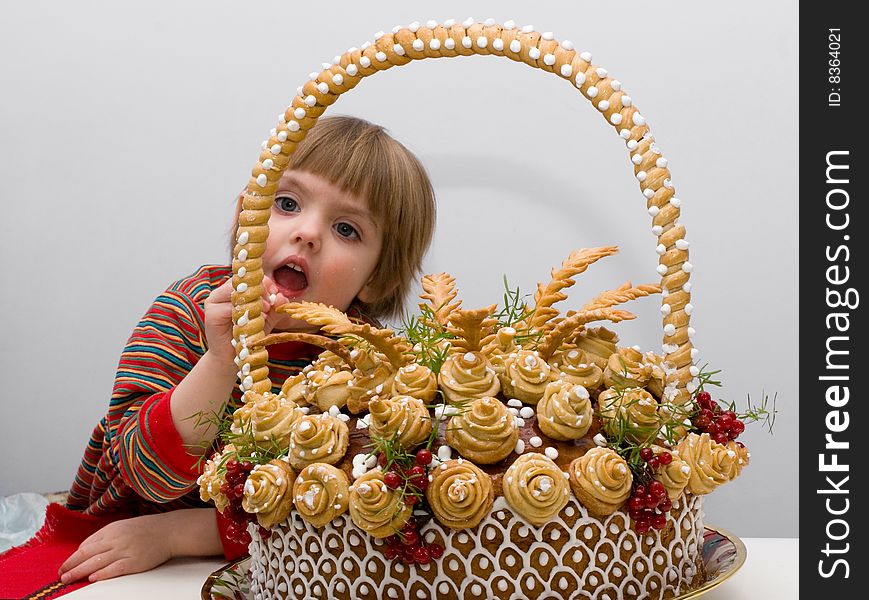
column 770, row 572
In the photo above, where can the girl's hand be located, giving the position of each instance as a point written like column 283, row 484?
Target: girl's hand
column 272, row 298
column 120, row 548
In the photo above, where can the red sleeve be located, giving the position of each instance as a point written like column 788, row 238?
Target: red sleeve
column 231, row 549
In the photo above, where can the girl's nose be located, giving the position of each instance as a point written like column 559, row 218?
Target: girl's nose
column 307, row 234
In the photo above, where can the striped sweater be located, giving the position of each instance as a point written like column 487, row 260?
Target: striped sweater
column 135, row 462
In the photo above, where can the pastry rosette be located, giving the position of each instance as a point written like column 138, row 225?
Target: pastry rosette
column 576, row 366
column 415, row 380
column 631, row 412
column 372, row 378
column 601, row 480
column 295, row 388
column 627, row 369
column 321, row 492
column 268, row 492
column 501, row 347
column 712, row 464
column 565, row 412
column 328, row 387
column 402, row 418
column 674, row 476
column 266, row 419
column 375, row 508
column 525, row 376
column 318, row 438
column 467, row 375
column 599, row 343
column 460, row 494
column 741, row 457
column 212, row 478
column 659, row 374
column 485, row 432
column 535, row 488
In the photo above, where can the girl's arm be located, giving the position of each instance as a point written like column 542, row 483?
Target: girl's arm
column 142, row 543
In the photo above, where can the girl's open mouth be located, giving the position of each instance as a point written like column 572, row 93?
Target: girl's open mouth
column 290, row 278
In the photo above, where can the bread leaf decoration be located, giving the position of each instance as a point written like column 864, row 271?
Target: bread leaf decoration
column 396, row 349
column 553, row 339
column 440, row 291
column 620, row 295
column 546, row 296
column 472, row 328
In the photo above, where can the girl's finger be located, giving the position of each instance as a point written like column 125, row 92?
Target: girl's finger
column 91, row 565
column 221, row 294
column 113, row 569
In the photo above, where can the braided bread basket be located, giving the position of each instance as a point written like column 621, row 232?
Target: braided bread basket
column 575, row 554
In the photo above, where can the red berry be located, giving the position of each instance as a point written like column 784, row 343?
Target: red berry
column 422, row 555
column 392, row 480
column 410, row 538
column 721, row 438
column 436, row 550
column 231, row 465
column 410, row 499
column 420, row 481
column 423, row 457
column 650, row 500
column 665, row 458
column 391, row 552
column 393, row 541
column 666, row 505
column 642, row 526
column 247, row 466
column 409, row 525
column 225, row 488
column 713, row 428
column 640, row 491
column 654, row 463
column 647, row 454
column 417, row 470
column 657, row 489
column 238, row 490
column 659, row 521
column 635, row 503
column 737, row 427
column 704, row 397
column 636, row 513
column 407, row 558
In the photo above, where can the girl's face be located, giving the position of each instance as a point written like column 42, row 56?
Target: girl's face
column 323, row 245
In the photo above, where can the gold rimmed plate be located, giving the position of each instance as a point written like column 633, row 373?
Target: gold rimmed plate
column 723, row 554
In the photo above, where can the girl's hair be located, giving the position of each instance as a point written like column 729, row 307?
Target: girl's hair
column 361, row 158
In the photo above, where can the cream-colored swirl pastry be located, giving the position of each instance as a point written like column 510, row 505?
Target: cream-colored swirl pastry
column 467, row 375
column 535, row 488
column 575, row 366
column 564, row 413
column 329, row 387
column 599, row 343
column 500, row 348
column 376, row 508
column 659, row 374
column 674, row 475
column 631, row 413
column 402, row 418
column 484, row 432
column 372, row 378
column 711, row 463
column 601, row 480
column 318, row 438
column 212, row 478
column 525, row 376
column 460, row 494
column 295, row 388
column 265, row 418
column 321, row 492
column 626, row 369
column 415, row 380
column 268, row 492
column 741, row 457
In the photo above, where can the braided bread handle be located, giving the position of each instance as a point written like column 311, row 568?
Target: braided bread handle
column 450, row 39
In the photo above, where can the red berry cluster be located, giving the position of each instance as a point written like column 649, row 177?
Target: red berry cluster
column 233, row 489
column 721, row 425
column 648, row 505
column 407, row 544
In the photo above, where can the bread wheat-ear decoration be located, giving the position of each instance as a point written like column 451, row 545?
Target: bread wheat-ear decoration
column 546, row 296
column 472, row 328
column 559, row 333
column 440, row 291
column 309, row 338
column 396, row 349
column 620, row 295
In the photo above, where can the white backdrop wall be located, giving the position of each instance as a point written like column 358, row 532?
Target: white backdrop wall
column 127, row 129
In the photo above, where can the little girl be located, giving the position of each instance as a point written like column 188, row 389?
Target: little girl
column 353, row 216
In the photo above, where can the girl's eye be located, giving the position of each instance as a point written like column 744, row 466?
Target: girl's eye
column 346, row 230
column 287, row 204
